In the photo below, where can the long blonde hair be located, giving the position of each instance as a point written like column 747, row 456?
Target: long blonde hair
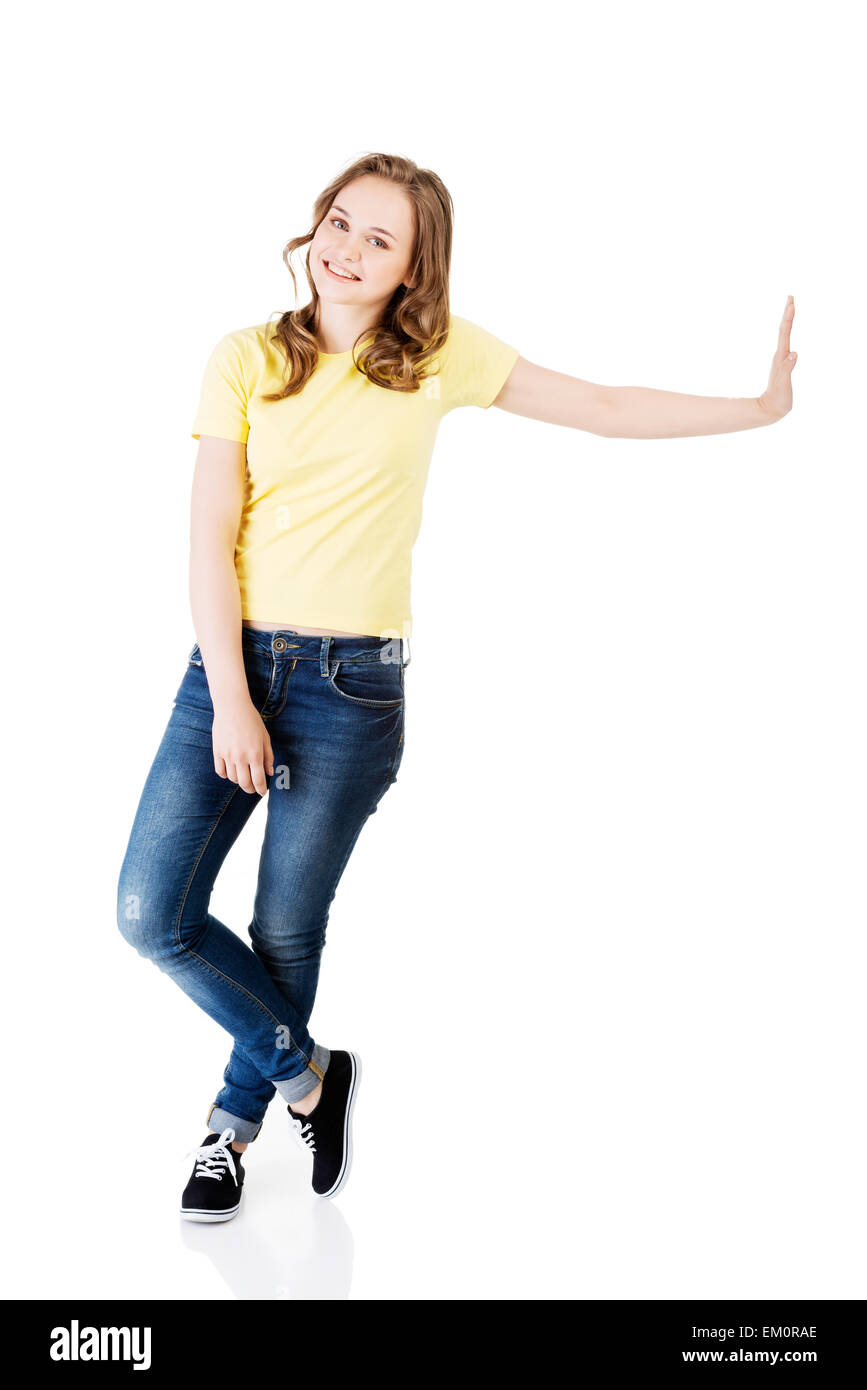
column 416, row 321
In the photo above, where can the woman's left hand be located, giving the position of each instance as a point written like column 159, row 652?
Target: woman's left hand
column 776, row 399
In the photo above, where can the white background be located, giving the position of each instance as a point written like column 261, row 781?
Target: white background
column 601, row 948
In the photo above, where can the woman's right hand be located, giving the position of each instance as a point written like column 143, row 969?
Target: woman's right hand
column 242, row 747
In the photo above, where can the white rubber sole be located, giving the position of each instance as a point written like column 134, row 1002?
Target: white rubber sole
column 191, row 1214
column 347, row 1130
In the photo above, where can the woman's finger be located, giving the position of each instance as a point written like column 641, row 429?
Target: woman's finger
column 260, row 781
column 245, row 781
column 786, row 327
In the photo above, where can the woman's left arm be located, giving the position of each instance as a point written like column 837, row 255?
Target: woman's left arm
column 639, row 412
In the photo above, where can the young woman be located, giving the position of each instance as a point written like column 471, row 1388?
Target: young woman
column 316, row 433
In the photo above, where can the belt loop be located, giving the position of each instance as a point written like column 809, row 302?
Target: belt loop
column 404, row 648
column 323, row 656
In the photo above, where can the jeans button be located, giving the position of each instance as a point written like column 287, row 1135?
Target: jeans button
column 280, row 644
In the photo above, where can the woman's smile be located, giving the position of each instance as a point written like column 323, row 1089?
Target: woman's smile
column 349, row 276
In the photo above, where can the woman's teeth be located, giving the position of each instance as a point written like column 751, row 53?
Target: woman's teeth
column 340, row 273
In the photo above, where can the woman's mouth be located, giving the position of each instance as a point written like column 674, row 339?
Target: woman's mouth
column 347, row 279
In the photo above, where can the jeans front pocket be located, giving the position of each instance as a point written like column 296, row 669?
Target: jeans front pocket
column 372, row 682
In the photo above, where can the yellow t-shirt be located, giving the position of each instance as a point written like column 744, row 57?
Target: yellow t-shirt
column 336, row 474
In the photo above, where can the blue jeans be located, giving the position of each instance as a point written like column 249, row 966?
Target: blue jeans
column 334, row 711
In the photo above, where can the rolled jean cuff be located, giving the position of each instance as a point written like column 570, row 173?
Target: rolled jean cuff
column 245, row 1130
column 297, row 1087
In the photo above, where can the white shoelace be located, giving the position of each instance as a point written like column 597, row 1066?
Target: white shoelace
column 299, row 1129
column 212, row 1160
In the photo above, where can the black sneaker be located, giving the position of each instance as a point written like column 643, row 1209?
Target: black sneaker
column 214, row 1190
column 327, row 1131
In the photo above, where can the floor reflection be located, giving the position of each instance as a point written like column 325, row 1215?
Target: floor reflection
column 285, row 1243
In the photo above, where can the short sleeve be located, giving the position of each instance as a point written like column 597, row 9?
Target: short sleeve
column 474, row 365
column 223, row 398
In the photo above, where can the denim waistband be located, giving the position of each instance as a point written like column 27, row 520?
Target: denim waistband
column 286, row 643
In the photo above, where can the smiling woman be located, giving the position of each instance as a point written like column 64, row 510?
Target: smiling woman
column 315, row 437
column 351, row 249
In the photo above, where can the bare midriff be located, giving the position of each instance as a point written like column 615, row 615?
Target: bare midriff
column 302, row 631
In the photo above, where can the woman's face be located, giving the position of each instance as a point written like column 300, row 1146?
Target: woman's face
column 370, row 232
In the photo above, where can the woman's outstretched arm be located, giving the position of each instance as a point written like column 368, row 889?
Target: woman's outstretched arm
column 639, row 412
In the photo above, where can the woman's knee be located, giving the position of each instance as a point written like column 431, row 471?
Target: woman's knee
column 288, row 936
column 145, row 919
